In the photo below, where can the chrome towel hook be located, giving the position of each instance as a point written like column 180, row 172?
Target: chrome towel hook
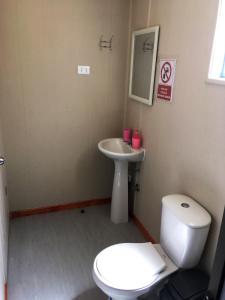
column 2, row 161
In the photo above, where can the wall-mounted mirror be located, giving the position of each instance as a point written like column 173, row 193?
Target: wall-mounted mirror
column 143, row 64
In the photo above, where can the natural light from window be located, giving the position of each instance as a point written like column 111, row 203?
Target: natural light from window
column 217, row 63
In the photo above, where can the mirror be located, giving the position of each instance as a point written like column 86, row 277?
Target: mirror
column 143, row 64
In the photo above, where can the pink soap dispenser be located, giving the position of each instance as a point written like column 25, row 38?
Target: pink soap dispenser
column 127, row 133
column 136, row 139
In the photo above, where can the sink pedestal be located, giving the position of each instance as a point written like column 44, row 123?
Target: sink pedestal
column 119, row 205
column 121, row 153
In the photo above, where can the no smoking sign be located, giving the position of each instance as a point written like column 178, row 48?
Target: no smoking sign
column 166, row 79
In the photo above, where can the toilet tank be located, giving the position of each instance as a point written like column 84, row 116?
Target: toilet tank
column 184, row 229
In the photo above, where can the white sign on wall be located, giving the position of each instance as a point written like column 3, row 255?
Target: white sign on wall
column 167, row 69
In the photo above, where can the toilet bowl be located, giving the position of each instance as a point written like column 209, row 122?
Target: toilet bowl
column 128, row 270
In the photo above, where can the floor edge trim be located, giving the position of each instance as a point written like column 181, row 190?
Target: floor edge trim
column 74, row 205
column 6, row 291
column 60, row 207
column 143, row 230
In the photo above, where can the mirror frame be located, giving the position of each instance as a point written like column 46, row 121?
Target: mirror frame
column 154, row 29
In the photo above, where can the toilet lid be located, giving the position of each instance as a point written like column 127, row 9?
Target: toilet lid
column 129, row 266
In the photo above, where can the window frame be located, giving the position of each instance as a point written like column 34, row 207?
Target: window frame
column 216, row 73
column 223, row 69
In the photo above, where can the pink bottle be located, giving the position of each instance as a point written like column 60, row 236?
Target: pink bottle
column 136, row 140
column 127, row 133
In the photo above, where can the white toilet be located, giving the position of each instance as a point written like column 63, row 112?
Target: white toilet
column 126, row 271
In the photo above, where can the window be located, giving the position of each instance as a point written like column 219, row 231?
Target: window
column 217, row 63
column 223, row 70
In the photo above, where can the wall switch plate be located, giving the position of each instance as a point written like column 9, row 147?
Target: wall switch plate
column 83, row 70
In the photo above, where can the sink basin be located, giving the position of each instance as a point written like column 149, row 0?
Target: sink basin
column 116, row 148
column 121, row 153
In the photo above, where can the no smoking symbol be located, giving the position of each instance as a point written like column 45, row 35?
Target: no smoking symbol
column 166, row 72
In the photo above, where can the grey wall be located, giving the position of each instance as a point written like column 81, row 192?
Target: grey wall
column 185, row 139
column 53, row 118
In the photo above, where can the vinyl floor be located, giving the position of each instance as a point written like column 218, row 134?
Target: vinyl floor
column 51, row 255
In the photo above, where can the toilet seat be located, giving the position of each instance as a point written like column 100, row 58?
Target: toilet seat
column 129, row 266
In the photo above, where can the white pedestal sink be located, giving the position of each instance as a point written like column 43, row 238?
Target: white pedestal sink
column 121, row 153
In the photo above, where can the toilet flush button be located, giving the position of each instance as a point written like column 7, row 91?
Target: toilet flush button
column 185, row 205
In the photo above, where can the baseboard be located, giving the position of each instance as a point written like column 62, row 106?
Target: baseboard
column 6, row 291
column 143, row 230
column 73, row 205
column 55, row 208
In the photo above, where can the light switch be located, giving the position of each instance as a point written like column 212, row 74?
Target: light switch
column 83, row 70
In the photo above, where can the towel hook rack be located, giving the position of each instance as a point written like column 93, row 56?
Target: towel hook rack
column 105, row 44
column 147, row 46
